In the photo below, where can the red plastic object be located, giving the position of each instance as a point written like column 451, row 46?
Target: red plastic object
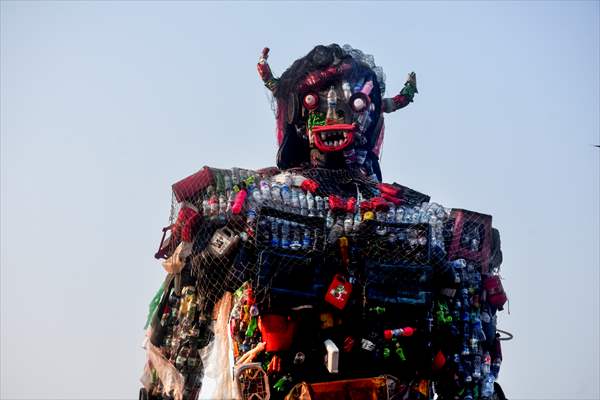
column 438, row 361
column 465, row 223
column 388, row 334
column 317, row 78
column 339, row 292
column 184, row 218
column 277, row 331
column 351, row 205
column 187, row 232
column 386, row 188
column 309, row 185
column 349, row 138
column 366, row 205
column 336, row 204
column 391, row 199
column 379, row 204
column 494, row 290
column 188, row 188
column 238, row 203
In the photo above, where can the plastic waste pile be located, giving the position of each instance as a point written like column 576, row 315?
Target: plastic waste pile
column 316, row 280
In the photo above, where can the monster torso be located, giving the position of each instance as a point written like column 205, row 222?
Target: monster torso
column 328, row 276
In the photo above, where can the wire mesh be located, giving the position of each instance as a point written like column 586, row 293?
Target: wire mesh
column 314, row 254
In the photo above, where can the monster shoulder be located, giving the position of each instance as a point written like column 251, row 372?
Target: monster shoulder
column 464, row 234
column 209, row 192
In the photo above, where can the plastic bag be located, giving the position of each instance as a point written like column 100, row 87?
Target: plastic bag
column 171, row 379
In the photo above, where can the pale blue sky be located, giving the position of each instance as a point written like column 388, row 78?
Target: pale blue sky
column 105, row 104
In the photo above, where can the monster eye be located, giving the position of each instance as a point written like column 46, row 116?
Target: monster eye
column 359, row 102
column 311, row 101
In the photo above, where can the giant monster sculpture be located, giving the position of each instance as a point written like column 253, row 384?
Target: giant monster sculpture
column 316, row 280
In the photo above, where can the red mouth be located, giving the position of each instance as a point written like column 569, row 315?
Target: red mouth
column 329, row 138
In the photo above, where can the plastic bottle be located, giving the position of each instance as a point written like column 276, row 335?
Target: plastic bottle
column 468, row 394
column 250, row 217
column 399, row 218
column 478, row 330
column 496, row 367
column 276, row 194
column 320, row 207
column 222, row 206
column 296, row 235
column 285, row 234
column 356, row 223
column 228, row 183
column 310, row 204
column 256, row 195
column 275, row 241
column 286, row 195
column 205, row 208
column 348, row 223
column 337, row 230
column 487, row 387
column 303, row 203
column 329, row 219
column 347, row 90
column 381, row 229
column 230, row 200
column 391, row 218
column 265, row 190
column 477, row 367
column 331, row 105
column 238, row 202
column 306, row 239
column 486, row 367
column 295, row 200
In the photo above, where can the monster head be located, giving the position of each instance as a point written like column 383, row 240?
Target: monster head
column 330, row 109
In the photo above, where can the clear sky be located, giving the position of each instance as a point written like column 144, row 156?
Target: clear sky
column 105, row 104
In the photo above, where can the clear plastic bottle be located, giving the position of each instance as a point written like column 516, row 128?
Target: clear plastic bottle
column 329, row 219
column 205, row 208
column 391, row 218
column 276, row 194
column 496, row 367
column 275, row 241
column 310, row 204
column 265, row 190
column 286, row 196
column 380, row 216
column 337, row 230
column 478, row 329
column 296, row 235
column 285, row 234
column 487, row 387
column 256, row 195
column 306, row 239
column 230, row 200
column 477, row 367
column 295, row 200
column 486, row 367
column 320, row 206
column 303, row 203
column 250, row 217
column 356, row 224
column 348, row 223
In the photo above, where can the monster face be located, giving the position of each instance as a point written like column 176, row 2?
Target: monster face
column 330, row 109
column 335, row 118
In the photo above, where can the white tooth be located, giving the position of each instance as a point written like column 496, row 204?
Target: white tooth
column 345, row 135
column 336, row 143
column 322, row 135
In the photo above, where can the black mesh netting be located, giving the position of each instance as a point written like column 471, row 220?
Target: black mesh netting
column 325, row 265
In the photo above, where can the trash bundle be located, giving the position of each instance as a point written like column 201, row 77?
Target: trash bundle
column 316, row 280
